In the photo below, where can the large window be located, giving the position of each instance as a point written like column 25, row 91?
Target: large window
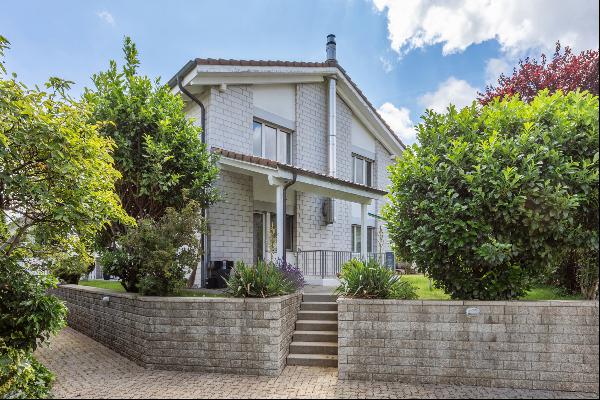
column 362, row 170
column 272, row 142
column 356, row 239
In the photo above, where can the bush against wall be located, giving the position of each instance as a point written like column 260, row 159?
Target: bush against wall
column 493, row 196
column 371, row 280
column 154, row 257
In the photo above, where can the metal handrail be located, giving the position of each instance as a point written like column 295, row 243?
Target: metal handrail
column 328, row 263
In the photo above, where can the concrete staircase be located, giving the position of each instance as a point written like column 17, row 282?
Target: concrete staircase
column 315, row 339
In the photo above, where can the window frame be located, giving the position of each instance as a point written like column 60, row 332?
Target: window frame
column 356, row 229
column 367, row 170
column 279, row 130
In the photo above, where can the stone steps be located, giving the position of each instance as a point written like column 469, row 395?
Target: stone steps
column 313, row 348
column 315, row 340
column 316, row 336
column 313, row 360
column 319, row 297
column 316, row 325
column 317, row 315
column 319, row 306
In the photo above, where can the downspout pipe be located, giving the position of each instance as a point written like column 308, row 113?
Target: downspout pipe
column 285, row 187
column 202, row 109
column 203, row 237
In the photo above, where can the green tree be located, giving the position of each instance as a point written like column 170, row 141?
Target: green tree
column 494, row 196
column 153, row 257
column 56, row 193
column 158, row 149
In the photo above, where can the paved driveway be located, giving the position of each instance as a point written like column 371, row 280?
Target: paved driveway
column 87, row 369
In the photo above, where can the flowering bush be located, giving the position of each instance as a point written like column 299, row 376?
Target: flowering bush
column 292, row 273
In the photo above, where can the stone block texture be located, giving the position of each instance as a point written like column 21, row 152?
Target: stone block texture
column 230, row 219
column 550, row 345
column 311, row 147
column 221, row 335
column 229, row 116
column 229, row 123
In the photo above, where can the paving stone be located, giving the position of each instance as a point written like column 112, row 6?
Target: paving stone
column 86, row 369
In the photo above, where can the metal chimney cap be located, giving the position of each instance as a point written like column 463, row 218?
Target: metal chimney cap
column 330, row 47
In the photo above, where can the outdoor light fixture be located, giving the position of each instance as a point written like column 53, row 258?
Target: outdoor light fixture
column 472, row 312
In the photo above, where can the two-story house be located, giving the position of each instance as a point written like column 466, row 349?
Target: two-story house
column 302, row 152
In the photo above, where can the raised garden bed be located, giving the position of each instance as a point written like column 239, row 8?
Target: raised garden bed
column 208, row 334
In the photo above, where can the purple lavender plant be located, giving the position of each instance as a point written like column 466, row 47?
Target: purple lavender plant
column 291, row 273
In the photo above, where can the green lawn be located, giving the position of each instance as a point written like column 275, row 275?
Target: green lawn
column 538, row 293
column 116, row 286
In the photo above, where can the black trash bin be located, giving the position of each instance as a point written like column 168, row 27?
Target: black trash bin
column 223, row 273
column 218, row 273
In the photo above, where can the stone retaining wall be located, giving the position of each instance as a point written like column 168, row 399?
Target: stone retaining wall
column 550, row 345
column 208, row 334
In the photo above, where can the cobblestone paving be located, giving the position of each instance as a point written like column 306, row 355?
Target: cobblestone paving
column 87, row 369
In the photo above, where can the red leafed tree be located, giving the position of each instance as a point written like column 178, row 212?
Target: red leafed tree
column 566, row 71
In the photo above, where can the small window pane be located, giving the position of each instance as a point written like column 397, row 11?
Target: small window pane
column 282, row 147
column 356, row 238
column 370, row 239
column 359, row 171
column 289, row 232
column 369, row 173
column 270, row 142
column 257, row 140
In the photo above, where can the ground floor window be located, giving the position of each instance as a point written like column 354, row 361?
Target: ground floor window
column 356, row 239
column 265, row 237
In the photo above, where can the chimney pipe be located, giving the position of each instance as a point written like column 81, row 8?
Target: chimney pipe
column 331, row 47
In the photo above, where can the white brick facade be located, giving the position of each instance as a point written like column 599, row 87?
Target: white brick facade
column 229, row 123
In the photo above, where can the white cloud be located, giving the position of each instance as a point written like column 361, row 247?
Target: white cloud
column 494, row 67
column 386, row 64
column 400, row 122
column 107, row 17
column 455, row 91
column 518, row 25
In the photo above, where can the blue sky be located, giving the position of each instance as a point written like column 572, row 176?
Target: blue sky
column 406, row 56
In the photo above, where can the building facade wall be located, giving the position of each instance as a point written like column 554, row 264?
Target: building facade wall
column 229, row 123
column 230, row 219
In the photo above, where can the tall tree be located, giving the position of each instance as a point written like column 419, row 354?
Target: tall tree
column 56, row 193
column 566, row 71
column 158, row 149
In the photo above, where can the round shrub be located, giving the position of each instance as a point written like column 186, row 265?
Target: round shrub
column 493, row 197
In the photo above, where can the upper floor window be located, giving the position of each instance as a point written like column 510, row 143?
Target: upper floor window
column 362, row 170
column 272, row 143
